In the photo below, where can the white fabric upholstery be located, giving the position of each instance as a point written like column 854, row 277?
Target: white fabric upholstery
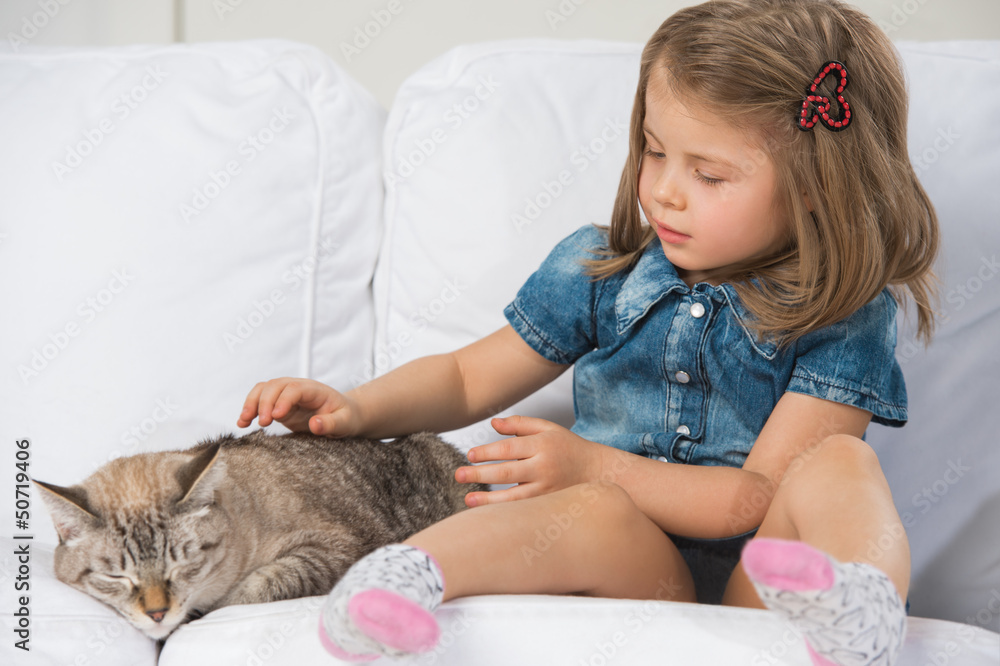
column 491, row 154
column 179, row 223
column 176, row 224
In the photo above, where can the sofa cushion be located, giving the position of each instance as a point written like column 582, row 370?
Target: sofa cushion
column 493, row 153
column 57, row 624
column 177, row 224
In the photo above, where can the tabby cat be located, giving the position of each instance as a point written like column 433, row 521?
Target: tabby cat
column 166, row 537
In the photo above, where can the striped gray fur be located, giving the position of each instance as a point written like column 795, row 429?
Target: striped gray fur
column 166, row 537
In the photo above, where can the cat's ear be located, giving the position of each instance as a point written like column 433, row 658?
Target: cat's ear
column 199, row 477
column 69, row 508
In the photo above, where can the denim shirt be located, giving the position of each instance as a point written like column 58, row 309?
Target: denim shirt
column 675, row 373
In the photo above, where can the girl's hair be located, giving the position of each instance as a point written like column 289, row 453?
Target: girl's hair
column 871, row 224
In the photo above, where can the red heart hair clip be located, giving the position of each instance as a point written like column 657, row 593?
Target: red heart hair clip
column 822, row 103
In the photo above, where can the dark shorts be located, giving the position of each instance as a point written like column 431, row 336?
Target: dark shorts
column 711, row 562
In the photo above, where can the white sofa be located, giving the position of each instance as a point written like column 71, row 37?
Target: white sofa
column 177, row 223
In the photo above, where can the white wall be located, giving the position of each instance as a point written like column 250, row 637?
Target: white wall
column 408, row 33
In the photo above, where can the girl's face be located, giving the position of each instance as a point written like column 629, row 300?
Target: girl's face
column 706, row 190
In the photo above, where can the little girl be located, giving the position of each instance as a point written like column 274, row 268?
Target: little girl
column 733, row 334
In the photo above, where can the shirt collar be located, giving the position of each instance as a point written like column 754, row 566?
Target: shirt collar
column 653, row 277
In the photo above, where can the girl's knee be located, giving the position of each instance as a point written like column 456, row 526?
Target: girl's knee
column 846, row 453
column 602, row 501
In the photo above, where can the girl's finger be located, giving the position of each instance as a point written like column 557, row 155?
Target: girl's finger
column 514, row 471
column 522, row 491
column 288, row 398
column 250, row 406
column 322, row 424
column 268, row 397
column 513, row 448
column 522, row 425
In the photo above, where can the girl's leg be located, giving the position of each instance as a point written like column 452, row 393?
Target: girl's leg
column 835, row 502
column 835, row 498
column 589, row 539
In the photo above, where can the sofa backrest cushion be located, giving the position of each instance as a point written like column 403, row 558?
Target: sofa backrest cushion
column 177, row 224
column 493, row 153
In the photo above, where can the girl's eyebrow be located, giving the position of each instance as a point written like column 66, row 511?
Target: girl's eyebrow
column 708, row 157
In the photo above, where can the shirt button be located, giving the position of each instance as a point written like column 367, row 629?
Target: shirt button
column 684, row 430
column 662, row 458
column 697, row 310
column 682, row 377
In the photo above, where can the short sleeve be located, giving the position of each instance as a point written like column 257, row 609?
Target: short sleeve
column 554, row 311
column 853, row 362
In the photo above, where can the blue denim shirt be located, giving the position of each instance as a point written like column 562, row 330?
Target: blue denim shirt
column 673, row 372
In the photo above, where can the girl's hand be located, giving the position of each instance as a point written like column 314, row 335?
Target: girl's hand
column 542, row 457
column 301, row 405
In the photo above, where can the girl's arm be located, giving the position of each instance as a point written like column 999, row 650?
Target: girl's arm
column 436, row 393
column 453, row 390
column 686, row 500
column 712, row 502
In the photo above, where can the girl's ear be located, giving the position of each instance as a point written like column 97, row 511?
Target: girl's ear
column 809, row 203
column 69, row 509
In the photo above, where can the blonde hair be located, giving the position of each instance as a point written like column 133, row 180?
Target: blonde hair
column 871, row 224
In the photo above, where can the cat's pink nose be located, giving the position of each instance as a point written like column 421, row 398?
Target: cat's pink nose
column 157, row 615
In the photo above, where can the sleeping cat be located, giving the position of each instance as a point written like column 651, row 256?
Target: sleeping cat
column 165, row 537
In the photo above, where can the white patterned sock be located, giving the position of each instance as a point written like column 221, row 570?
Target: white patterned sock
column 850, row 613
column 383, row 606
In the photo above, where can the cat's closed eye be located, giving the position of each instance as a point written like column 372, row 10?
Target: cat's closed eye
column 111, row 582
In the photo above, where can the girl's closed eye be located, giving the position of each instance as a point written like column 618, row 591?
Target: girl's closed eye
column 708, row 180
column 654, row 155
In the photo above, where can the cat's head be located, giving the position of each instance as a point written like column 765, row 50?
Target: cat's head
column 143, row 534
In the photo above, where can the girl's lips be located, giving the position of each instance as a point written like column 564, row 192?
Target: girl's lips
column 667, row 234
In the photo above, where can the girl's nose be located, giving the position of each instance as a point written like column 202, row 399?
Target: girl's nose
column 667, row 191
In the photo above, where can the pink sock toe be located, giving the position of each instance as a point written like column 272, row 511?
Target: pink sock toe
column 818, row 659
column 787, row 565
column 394, row 621
column 337, row 652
